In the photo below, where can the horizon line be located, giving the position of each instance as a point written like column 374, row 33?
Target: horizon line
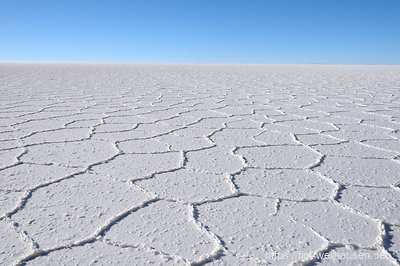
column 186, row 63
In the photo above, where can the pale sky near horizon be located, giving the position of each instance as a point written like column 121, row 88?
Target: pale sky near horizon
column 207, row 31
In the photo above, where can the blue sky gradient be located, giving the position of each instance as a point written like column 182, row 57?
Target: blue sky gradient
column 201, row 31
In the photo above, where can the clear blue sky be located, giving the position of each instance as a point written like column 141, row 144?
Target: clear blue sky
column 201, row 31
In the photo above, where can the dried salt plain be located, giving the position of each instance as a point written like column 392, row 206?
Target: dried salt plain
column 199, row 164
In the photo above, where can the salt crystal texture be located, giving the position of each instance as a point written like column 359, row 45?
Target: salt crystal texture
column 199, row 164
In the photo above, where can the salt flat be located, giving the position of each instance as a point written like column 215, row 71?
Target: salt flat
column 199, row 164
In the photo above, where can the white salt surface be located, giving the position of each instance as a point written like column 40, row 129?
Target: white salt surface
column 199, row 164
